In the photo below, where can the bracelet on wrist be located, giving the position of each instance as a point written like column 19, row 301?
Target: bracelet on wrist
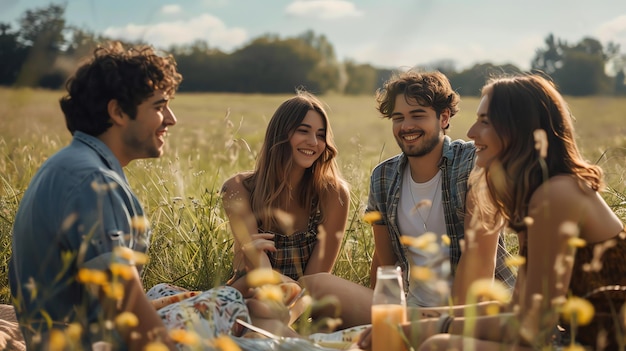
column 444, row 323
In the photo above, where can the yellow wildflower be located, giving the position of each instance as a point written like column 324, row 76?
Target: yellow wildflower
column 576, row 242
column 261, row 276
column 422, row 273
column 134, row 257
column 445, row 239
column 185, row 337
column 126, row 320
column 573, row 347
column 423, row 241
column 123, row 252
column 114, row 290
column 407, row 240
column 74, row 331
column 92, row 276
column 529, row 221
column 140, row 258
column 140, row 223
column 225, row 343
column 577, row 310
column 57, row 340
column 156, row 346
column 489, row 289
column 492, row 310
column 270, row 293
column 121, row 270
column 515, row 261
column 372, row 217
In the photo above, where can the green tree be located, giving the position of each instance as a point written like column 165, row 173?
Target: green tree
column 445, row 66
column 582, row 74
column 577, row 69
column 360, row 78
column 203, row 68
column 326, row 72
column 620, row 83
column 41, row 32
column 616, row 66
column 272, row 65
column 321, row 45
column 549, row 59
column 12, row 55
column 82, row 42
column 470, row 81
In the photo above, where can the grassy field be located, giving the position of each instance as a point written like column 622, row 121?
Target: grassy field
column 220, row 134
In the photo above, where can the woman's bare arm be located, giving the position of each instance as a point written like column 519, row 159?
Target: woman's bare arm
column 330, row 232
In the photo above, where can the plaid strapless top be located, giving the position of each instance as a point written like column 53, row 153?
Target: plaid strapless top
column 293, row 251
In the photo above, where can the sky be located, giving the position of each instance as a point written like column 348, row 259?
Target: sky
column 384, row 33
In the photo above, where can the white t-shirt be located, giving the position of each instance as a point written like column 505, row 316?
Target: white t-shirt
column 435, row 292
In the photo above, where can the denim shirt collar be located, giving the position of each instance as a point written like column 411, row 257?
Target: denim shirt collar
column 102, row 150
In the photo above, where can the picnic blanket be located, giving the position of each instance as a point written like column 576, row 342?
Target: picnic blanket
column 11, row 338
column 10, row 335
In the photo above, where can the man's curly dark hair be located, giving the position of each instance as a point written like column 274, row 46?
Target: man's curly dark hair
column 114, row 73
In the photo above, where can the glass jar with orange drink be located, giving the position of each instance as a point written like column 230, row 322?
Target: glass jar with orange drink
column 388, row 310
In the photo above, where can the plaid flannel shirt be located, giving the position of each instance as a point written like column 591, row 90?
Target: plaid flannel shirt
column 456, row 163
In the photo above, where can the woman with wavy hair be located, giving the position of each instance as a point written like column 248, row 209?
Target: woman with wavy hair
column 531, row 177
column 290, row 213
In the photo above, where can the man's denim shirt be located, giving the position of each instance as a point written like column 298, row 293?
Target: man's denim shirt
column 456, row 164
column 77, row 208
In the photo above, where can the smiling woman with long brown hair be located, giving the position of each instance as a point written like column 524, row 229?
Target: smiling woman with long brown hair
column 289, row 213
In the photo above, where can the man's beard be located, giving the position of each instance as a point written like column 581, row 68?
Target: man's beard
column 428, row 144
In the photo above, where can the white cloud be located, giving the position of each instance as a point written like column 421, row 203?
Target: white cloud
column 171, row 9
column 212, row 3
column 323, row 9
column 518, row 51
column 204, row 27
column 394, row 54
column 613, row 30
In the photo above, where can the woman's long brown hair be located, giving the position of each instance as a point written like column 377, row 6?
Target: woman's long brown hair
column 268, row 184
column 518, row 107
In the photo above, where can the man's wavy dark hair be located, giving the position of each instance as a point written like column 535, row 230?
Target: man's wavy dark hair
column 128, row 76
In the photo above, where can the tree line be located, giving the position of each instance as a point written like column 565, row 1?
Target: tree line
column 45, row 50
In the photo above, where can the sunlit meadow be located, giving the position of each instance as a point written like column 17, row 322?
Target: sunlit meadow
column 218, row 135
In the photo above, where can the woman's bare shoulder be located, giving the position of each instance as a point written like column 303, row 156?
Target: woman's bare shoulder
column 561, row 188
column 235, row 183
column 567, row 198
column 335, row 198
column 342, row 190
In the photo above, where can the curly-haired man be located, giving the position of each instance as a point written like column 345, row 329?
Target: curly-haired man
column 79, row 219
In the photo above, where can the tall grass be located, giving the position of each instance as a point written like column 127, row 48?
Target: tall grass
column 218, row 135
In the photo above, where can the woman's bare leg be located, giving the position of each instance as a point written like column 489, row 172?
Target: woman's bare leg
column 354, row 300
